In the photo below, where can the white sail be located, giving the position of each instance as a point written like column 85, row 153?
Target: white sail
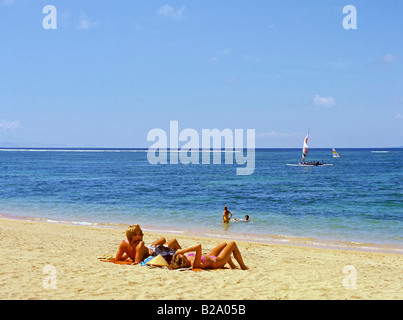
column 335, row 153
column 305, row 147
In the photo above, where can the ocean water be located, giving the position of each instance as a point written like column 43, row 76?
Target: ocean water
column 359, row 200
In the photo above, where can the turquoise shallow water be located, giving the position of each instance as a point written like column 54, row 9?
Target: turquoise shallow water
column 359, row 199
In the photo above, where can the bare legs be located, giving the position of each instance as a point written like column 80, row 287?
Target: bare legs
column 223, row 253
column 172, row 244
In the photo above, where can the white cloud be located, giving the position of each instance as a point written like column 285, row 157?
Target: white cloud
column 388, row 59
column 10, row 125
column 229, row 80
column 213, row 60
column 170, row 12
column 85, row 23
column 226, row 51
column 7, row 2
column 399, row 116
column 324, row 102
column 220, row 55
column 252, row 58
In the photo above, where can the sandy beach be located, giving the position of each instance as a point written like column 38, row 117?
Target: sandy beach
column 42, row 261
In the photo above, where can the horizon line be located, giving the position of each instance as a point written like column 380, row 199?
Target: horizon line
column 179, row 149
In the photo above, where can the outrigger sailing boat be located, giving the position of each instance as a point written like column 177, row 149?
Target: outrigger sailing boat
column 303, row 163
column 335, row 153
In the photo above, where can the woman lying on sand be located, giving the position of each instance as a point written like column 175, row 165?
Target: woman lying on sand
column 215, row 259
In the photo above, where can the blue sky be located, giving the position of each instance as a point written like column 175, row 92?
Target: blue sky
column 114, row 70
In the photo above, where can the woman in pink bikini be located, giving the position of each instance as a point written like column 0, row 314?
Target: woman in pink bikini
column 215, row 259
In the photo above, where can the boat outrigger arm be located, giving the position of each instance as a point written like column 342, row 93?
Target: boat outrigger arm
column 310, row 164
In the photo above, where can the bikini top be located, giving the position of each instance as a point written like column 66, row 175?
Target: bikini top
column 203, row 259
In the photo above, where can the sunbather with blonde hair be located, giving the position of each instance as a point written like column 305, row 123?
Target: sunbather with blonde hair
column 134, row 248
